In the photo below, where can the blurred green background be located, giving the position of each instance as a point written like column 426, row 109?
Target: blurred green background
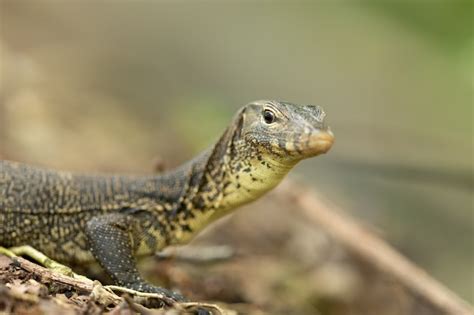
column 111, row 85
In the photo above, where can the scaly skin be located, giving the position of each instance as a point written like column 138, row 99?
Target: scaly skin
column 113, row 219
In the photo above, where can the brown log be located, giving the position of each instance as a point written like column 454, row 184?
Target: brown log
column 82, row 285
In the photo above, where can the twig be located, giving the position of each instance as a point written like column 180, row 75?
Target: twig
column 82, row 285
column 197, row 254
column 140, row 309
column 191, row 305
column 168, row 301
column 372, row 249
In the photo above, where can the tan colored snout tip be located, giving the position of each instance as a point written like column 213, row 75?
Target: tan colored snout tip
column 320, row 142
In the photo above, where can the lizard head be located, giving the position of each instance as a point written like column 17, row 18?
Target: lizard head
column 263, row 142
column 284, row 131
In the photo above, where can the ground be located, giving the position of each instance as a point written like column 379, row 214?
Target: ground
column 267, row 259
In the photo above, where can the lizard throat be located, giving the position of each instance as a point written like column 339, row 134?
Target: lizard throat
column 241, row 184
column 249, row 183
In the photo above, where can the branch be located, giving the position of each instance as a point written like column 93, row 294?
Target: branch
column 372, row 249
column 197, row 254
column 82, row 285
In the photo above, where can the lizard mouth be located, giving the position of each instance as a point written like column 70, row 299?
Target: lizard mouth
column 318, row 142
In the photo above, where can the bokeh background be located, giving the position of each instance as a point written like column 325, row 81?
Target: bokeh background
column 110, row 86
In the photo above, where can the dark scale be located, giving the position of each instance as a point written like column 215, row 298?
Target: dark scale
column 113, row 219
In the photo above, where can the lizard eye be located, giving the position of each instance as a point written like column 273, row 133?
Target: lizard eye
column 268, row 116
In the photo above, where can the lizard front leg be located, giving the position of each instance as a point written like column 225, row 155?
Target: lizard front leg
column 110, row 240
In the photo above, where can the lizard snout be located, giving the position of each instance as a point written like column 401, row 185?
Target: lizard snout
column 317, row 142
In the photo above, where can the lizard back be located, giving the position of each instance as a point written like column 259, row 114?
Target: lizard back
column 49, row 209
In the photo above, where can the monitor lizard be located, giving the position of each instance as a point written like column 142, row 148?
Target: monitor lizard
column 112, row 219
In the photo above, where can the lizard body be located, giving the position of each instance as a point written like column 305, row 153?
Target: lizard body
column 113, row 219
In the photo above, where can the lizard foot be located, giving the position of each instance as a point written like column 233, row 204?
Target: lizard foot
column 176, row 297
column 157, row 297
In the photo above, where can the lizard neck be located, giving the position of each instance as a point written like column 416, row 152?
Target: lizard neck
column 228, row 175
